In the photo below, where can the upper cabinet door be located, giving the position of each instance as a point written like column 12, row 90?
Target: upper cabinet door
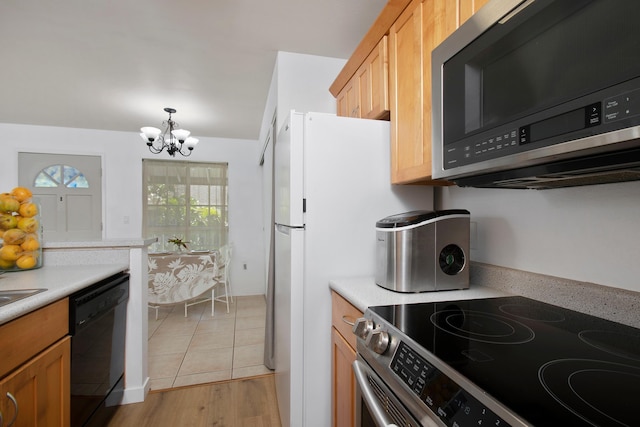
column 349, row 100
column 366, row 95
column 409, row 158
column 422, row 26
column 373, row 77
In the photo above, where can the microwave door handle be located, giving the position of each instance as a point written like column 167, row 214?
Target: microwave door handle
column 380, row 417
column 516, row 11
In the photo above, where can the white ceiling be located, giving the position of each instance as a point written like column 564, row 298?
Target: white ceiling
column 115, row 65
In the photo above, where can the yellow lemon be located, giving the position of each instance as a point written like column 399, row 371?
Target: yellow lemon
column 30, row 243
column 15, row 236
column 6, row 265
column 28, row 209
column 10, row 252
column 26, row 261
column 8, row 221
column 28, row 225
column 21, row 194
column 8, row 203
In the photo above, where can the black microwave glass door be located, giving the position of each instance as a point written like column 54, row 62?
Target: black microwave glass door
column 550, row 53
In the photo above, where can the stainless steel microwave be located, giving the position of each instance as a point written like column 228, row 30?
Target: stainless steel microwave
column 539, row 94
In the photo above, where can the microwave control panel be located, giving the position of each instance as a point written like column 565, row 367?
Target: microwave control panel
column 606, row 115
column 511, row 140
column 622, row 106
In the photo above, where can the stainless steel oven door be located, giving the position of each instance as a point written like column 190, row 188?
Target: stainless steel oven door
column 377, row 405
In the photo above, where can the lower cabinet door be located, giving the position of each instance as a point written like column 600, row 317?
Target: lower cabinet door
column 343, row 381
column 38, row 393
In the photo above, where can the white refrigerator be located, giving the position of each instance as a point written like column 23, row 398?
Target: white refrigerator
column 331, row 185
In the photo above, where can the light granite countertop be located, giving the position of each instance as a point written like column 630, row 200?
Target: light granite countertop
column 618, row 305
column 362, row 292
column 60, row 281
column 132, row 242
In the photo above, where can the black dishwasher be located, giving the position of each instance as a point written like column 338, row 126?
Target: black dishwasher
column 97, row 324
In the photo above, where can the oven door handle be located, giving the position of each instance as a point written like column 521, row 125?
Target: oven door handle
column 380, row 417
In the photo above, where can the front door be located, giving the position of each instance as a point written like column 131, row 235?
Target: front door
column 69, row 190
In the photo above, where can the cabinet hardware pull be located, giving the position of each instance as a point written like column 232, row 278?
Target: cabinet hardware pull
column 15, row 404
column 349, row 320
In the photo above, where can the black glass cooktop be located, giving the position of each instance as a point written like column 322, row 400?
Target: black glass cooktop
column 549, row 365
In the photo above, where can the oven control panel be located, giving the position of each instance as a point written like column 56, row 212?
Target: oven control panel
column 444, row 397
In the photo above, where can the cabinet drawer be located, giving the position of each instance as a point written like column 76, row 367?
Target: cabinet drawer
column 343, row 316
column 28, row 335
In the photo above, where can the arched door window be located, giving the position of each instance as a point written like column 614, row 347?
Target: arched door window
column 61, row 175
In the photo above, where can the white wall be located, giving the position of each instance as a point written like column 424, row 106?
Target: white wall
column 303, row 83
column 122, row 154
column 299, row 82
column 589, row 234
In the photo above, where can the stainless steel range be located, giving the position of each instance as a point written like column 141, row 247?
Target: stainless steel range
column 507, row 361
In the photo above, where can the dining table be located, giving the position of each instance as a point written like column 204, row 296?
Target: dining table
column 180, row 277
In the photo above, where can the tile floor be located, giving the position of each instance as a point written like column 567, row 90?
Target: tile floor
column 202, row 349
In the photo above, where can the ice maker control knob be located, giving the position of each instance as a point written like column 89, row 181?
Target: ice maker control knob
column 378, row 341
column 362, row 327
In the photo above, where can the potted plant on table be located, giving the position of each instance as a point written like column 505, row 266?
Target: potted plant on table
column 180, row 245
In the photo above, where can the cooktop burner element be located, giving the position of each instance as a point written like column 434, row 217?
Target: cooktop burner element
column 518, row 361
column 479, row 326
column 619, row 344
column 591, row 389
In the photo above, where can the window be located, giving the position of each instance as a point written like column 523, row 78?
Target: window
column 185, row 200
column 61, row 175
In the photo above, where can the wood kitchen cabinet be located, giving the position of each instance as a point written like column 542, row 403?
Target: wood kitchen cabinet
column 349, row 100
column 415, row 28
column 369, row 67
column 373, row 77
column 40, row 388
column 422, row 27
column 410, row 158
column 35, row 368
column 343, row 354
column 366, row 95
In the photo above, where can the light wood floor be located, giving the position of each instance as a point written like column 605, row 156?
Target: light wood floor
column 247, row 402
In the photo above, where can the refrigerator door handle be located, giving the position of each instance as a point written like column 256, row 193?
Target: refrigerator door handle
column 286, row 229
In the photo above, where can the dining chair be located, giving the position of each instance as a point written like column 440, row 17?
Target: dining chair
column 223, row 261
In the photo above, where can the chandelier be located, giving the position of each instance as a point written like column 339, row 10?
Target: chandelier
column 173, row 138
